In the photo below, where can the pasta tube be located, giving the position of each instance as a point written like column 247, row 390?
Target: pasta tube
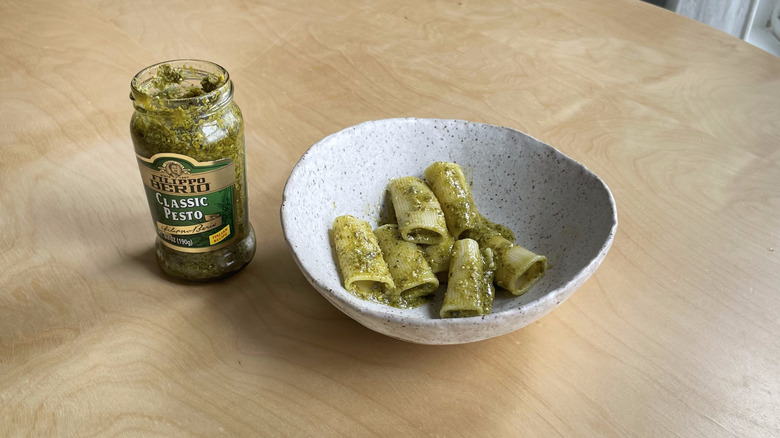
column 411, row 274
column 362, row 265
column 438, row 256
column 517, row 269
column 469, row 291
column 419, row 214
column 449, row 184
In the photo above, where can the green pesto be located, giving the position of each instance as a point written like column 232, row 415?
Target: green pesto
column 488, row 237
column 423, row 200
column 181, row 82
column 438, row 255
column 503, row 230
column 211, row 82
column 186, row 107
column 379, row 295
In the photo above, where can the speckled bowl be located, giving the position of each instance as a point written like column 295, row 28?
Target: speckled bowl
column 555, row 205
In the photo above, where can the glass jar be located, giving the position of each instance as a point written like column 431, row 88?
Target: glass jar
column 189, row 142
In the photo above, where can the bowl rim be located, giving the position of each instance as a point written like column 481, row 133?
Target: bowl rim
column 353, row 303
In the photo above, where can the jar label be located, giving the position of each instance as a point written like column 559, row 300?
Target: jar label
column 192, row 202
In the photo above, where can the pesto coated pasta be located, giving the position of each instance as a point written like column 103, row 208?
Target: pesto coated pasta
column 412, row 276
column 440, row 238
column 362, row 265
column 419, row 215
column 438, row 255
column 517, row 269
column 470, row 288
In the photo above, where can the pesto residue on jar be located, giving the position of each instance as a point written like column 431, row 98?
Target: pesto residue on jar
column 186, row 108
column 181, row 82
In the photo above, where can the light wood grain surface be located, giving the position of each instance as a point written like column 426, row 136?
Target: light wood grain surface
column 677, row 334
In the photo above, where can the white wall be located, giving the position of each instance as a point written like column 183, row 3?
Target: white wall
column 727, row 15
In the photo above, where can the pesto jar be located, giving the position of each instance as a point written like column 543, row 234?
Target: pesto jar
column 189, row 142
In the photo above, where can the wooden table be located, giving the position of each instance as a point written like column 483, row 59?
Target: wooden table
column 677, row 334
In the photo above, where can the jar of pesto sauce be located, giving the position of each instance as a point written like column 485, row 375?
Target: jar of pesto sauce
column 189, row 143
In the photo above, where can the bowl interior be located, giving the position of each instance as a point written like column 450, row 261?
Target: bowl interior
column 555, row 206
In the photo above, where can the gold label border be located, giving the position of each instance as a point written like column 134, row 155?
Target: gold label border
column 189, row 159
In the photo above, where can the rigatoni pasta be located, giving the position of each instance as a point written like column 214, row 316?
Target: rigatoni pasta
column 517, row 269
column 419, row 215
column 470, row 288
column 360, row 259
column 449, row 184
column 412, row 276
column 522, row 269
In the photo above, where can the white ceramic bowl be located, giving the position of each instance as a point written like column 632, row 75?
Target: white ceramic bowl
column 555, row 205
